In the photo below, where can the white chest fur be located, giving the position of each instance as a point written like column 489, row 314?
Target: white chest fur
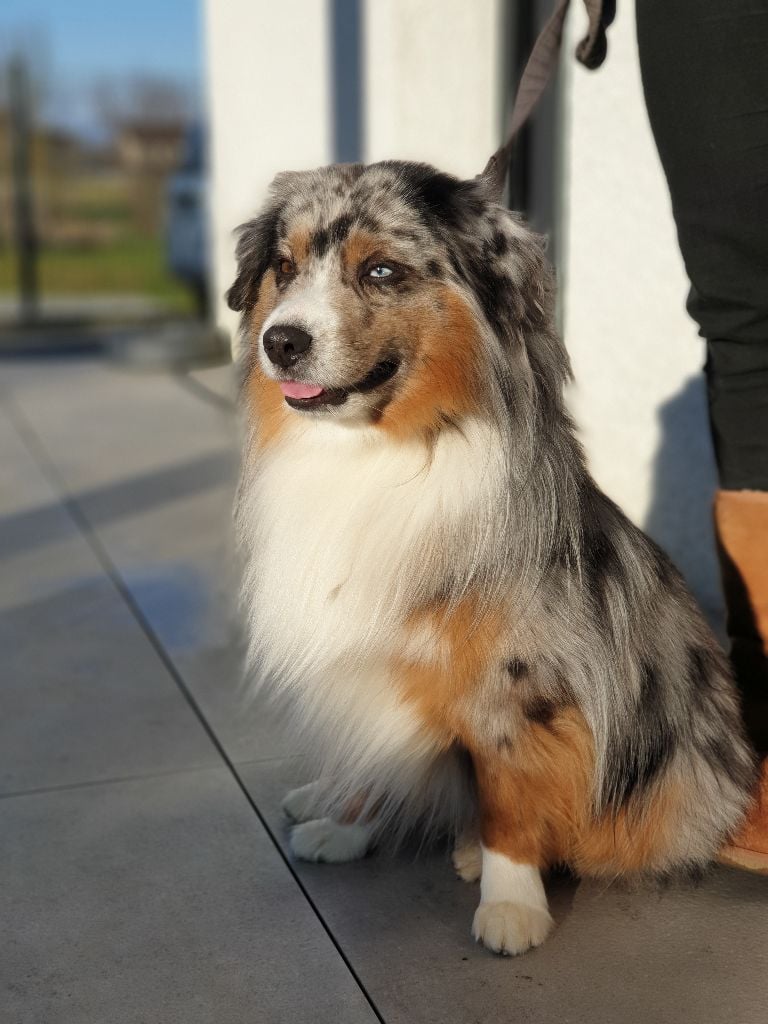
column 345, row 531
column 345, row 528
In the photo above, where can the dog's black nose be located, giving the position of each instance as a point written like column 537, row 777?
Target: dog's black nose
column 284, row 344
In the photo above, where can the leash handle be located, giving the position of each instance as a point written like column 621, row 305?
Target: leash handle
column 538, row 71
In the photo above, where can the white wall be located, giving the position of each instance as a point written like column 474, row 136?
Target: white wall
column 432, row 88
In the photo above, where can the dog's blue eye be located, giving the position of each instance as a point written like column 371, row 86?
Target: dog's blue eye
column 380, row 271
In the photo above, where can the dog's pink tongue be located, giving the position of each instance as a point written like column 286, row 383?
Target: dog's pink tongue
column 292, row 389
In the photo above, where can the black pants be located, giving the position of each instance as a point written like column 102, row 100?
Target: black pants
column 705, row 75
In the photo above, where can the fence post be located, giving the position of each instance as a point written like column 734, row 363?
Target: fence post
column 23, row 218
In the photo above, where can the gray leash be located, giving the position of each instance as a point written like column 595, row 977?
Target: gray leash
column 538, row 71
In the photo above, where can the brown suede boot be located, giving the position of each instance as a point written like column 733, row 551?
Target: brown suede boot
column 741, row 519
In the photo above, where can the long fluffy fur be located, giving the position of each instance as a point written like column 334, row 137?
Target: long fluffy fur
column 348, row 532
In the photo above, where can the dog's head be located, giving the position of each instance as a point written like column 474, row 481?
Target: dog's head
column 394, row 295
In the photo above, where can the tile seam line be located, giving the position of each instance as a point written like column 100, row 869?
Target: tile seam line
column 116, row 780
column 48, row 467
column 112, row 780
column 197, row 389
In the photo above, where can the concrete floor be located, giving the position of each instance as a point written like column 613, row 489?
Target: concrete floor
column 145, row 872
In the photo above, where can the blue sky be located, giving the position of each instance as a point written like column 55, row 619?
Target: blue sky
column 81, row 42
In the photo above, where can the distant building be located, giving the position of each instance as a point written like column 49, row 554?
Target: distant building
column 150, row 147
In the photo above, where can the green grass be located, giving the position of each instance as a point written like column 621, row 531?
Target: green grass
column 128, row 265
column 124, row 261
column 92, row 197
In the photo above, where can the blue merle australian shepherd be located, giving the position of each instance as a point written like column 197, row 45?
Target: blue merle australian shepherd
column 469, row 633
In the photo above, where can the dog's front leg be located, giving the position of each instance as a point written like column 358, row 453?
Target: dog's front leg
column 330, row 841
column 324, row 838
column 302, row 803
column 512, row 915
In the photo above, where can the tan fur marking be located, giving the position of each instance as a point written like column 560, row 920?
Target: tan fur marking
column 635, row 840
column 266, row 406
column 443, row 380
column 535, row 797
column 466, row 638
column 358, row 246
column 536, row 794
column 436, row 323
column 536, row 805
column 298, row 241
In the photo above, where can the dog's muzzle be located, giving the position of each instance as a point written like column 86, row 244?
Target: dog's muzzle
column 285, row 344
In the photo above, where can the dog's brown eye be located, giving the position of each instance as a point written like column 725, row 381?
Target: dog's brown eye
column 285, row 267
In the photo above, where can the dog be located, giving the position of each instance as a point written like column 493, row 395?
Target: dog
column 468, row 633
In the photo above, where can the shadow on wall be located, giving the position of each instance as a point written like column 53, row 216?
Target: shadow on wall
column 683, row 486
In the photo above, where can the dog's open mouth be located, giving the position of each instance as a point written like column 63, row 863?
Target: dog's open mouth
column 312, row 396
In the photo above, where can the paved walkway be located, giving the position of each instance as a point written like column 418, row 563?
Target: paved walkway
column 145, row 874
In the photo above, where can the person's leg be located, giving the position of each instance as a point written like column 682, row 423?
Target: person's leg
column 705, row 76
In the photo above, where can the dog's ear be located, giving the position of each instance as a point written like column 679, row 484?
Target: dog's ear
column 254, row 252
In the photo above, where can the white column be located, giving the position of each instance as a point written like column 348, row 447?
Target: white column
column 269, row 107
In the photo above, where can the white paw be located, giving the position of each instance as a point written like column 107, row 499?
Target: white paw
column 468, row 859
column 326, row 840
column 299, row 804
column 510, row 928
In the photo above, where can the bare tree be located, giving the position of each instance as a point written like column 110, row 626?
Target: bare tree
column 145, row 99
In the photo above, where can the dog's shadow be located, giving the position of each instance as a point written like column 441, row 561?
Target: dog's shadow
column 562, row 888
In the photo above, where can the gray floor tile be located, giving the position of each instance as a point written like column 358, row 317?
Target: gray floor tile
column 159, row 900
column 166, row 523
column 155, row 477
column 687, row 953
column 99, row 417
column 84, row 695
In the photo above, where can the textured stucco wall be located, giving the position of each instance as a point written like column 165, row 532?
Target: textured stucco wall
column 432, row 81
column 269, row 103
